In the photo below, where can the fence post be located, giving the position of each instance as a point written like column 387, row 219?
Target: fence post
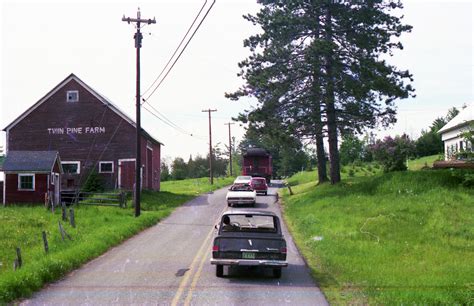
column 63, row 232
column 63, row 208
column 289, row 189
column 45, row 242
column 72, row 220
column 18, row 262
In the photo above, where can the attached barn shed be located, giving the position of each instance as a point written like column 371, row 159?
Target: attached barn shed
column 31, row 177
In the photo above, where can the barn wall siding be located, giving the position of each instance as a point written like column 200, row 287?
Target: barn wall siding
column 13, row 195
column 87, row 131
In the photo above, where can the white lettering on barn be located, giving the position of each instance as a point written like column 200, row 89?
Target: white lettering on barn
column 77, row 130
column 56, row 131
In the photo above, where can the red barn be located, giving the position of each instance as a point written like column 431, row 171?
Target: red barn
column 29, row 175
column 91, row 135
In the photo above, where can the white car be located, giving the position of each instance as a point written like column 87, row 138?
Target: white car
column 243, row 179
column 241, row 194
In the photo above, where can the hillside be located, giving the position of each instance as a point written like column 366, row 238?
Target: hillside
column 397, row 238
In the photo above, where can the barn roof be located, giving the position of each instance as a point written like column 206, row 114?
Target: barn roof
column 465, row 116
column 99, row 96
column 31, row 161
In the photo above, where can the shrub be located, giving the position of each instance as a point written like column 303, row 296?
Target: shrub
column 93, row 183
column 393, row 152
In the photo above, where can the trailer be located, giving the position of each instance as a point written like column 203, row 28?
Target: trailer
column 257, row 162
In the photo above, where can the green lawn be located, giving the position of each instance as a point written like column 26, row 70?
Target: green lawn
column 98, row 229
column 397, row 238
column 426, row 161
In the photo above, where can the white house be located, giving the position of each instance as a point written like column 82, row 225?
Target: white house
column 451, row 132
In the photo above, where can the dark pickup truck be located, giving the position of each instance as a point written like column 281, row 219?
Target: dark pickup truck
column 249, row 238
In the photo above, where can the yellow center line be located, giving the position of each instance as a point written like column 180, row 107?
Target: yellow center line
column 196, row 258
column 195, row 279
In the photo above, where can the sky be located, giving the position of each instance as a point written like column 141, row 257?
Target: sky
column 43, row 42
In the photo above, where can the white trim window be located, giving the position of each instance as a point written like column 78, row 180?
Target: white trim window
column 106, row 167
column 26, row 181
column 72, row 96
column 71, row 167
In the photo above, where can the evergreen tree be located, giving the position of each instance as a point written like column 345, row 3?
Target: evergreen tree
column 317, row 69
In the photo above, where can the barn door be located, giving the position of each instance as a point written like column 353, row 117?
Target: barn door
column 126, row 174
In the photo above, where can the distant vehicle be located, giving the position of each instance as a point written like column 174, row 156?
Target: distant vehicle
column 259, row 184
column 257, row 162
column 243, row 179
column 249, row 238
column 241, row 194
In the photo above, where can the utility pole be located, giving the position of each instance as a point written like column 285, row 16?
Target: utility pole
column 230, row 147
column 210, row 144
column 138, row 163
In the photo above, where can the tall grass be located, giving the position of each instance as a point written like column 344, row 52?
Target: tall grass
column 397, row 238
column 98, row 229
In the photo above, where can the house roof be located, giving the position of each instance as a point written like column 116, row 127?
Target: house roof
column 465, row 116
column 31, row 161
column 99, row 96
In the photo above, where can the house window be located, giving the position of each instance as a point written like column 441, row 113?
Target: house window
column 72, row 96
column 106, row 167
column 26, row 182
column 71, row 167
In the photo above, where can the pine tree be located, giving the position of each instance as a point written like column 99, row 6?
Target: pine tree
column 318, row 69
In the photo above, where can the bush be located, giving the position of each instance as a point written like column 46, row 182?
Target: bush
column 94, row 183
column 393, row 152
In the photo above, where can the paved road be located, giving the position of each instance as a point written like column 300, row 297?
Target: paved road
column 168, row 264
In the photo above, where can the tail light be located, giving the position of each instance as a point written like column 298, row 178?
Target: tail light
column 215, row 248
column 283, row 250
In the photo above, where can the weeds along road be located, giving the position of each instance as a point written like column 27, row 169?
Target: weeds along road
column 168, row 264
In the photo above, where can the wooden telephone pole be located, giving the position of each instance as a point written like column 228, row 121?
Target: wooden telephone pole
column 230, row 147
column 138, row 163
column 211, row 175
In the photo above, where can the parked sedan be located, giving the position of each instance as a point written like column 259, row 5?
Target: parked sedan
column 259, row 184
column 241, row 194
column 249, row 238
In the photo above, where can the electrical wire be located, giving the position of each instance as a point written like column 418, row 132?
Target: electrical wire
column 145, row 100
column 170, row 123
column 176, row 50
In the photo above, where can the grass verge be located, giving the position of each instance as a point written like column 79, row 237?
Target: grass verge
column 97, row 229
column 397, row 238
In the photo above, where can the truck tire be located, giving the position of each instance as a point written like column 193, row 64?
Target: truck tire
column 219, row 270
column 276, row 272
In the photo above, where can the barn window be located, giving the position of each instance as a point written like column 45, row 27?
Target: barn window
column 26, row 182
column 106, row 167
column 72, row 96
column 71, row 167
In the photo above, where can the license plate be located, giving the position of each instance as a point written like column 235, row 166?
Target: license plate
column 247, row 255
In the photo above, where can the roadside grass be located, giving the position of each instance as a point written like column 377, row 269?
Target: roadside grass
column 426, row 161
column 98, row 228
column 396, row 238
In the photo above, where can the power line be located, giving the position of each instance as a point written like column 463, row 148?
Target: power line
column 145, row 100
column 176, row 50
column 171, row 124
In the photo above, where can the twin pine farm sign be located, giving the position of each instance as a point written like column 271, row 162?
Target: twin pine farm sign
column 76, row 130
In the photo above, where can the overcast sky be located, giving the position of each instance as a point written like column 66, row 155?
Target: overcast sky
column 43, row 42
